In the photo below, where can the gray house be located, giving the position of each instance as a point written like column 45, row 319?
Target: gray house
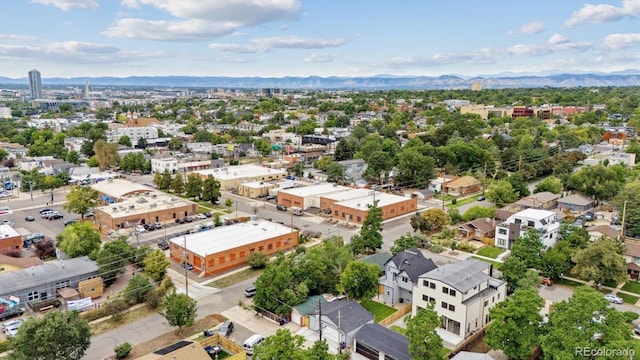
column 375, row 342
column 341, row 320
column 575, row 203
column 42, row 282
column 401, row 273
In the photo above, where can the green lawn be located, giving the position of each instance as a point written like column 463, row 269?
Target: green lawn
column 497, row 264
column 568, row 282
column 490, row 251
column 461, row 202
column 632, row 286
column 379, row 311
column 398, row 329
column 610, row 284
column 629, row 299
column 235, row 278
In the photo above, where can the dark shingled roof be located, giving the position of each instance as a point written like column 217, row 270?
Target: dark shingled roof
column 391, row 343
column 352, row 314
column 413, row 263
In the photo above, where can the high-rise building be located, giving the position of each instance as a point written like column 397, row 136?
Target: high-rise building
column 35, row 83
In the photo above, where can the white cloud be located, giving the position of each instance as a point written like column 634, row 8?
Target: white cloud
column 67, row 5
column 12, row 37
column 262, row 45
column 533, row 27
column 199, row 19
column 558, row 39
column 620, row 41
column 318, row 57
column 602, row 13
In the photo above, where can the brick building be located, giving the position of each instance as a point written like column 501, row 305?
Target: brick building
column 223, row 248
column 10, row 240
column 307, row 196
column 356, row 210
column 231, row 177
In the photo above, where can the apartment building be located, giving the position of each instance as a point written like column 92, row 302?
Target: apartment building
column 463, row 294
column 543, row 221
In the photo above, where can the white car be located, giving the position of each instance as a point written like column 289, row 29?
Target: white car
column 140, row 229
column 612, row 298
column 47, row 213
column 4, row 194
column 201, row 216
column 12, row 324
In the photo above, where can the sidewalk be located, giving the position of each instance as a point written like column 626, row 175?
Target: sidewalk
column 616, row 290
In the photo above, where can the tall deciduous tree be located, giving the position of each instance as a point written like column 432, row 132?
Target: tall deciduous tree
column 80, row 200
column 179, row 310
column 281, row 345
column 435, row 219
column 59, row 335
column 414, row 169
column 630, row 195
column 424, row 341
column 193, row 187
column 601, row 261
column 137, row 289
column 177, row 184
column 502, row 193
column 106, row 154
column 79, row 239
column 156, row 264
column 359, row 280
column 113, row 259
column 515, row 327
column 551, row 184
column 370, row 237
column 125, row 140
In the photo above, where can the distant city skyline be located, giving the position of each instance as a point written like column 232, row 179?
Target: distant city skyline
column 277, row 38
column 35, row 84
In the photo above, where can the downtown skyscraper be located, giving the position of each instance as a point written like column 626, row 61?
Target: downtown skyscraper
column 35, row 84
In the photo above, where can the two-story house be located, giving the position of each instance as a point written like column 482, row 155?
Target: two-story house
column 543, row 221
column 462, row 293
column 401, row 274
column 632, row 257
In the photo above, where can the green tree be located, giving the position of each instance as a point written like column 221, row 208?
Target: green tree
column 194, row 186
column 175, row 144
column 424, row 341
column 177, row 184
column 551, row 184
column 73, row 157
column 359, row 280
column 601, row 261
column 528, row 247
column 556, row 260
column 629, row 195
column 281, row 345
column 335, row 172
column 599, row 181
column 59, row 335
column 519, row 184
column 179, row 310
column 478, row 212
column 346, row 149
column 514, row 327
column 435, row 219
column 164, row 180
column 137, row 289
column 403, row 243
column 585, row 320
column 228, row 203
column 80, row 200
column 142, row 143
column 79, row 239
column 277, row 290
column 210, row 189
column 156, row 264
column 414, row 169
column 370, row 237
column 106, row 154
column 134, row 162
column 113, row 259
column 502, row 193
column 257, row 260
column 125, row 140
column 298, row 169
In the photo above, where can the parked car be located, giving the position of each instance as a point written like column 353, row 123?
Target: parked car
column 272, row 197
column 12, row 324
column 47, row 213
column 42, row 211
column 56, row 216
column 157, row 225
column 4, row 194
column 188, row 219
column 186, row 265
column 637, row 329
column 179, row 221
column 208, row 214
column 250, row 291
column 149, row 227
column 89, row 214
column 545, row 280
column 139, row 229
column 69, row 222
column 226, row 329
column 281, row 207
column 481, row 198
column 29, row 218
column 612, row 298
column 163, row 245
column 201, row 216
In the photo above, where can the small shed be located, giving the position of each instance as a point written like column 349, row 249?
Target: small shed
column 375, row 342
column 93, row 288
column 300, row 313
column 575, row 203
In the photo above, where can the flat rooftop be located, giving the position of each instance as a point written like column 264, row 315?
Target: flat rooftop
column 7, row 231
column 534, row 214
column 259, row 184
column 312, row 190
column 117, row 188
column 382, row 198
column 143, row 204
column 232, row 236
column 240, row 172
column 348, row 194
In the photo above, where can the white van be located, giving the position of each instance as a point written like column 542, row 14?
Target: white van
column 251, row 343
column 297, row 211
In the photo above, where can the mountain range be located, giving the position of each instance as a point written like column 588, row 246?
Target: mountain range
column 378, row 82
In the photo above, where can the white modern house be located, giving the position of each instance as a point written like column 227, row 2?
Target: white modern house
column 462, row 293
column 401, row 274
column 543, row 221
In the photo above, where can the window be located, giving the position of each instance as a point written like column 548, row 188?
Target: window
column 242, row 254
column 445, row 290
column 261, row 248
column 502, row 242
column 425, row 298
column 221, row 260
column 432, row 285
column 405, row 279
column 486, row 302
column 358, row 218
column 444, row 305
column 452, row 292
column 531, row 223
column 278, row 244
column 502, row 231
column 425, row 283
column 270, row 247
column 232, row 257
column 34, row 295
column 343, row 215
column 252, row 250
column 452, row 307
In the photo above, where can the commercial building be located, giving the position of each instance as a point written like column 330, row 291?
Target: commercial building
column 256, row 189
column 543, row 221
column 130, row 204
column 35, row 84
column 180, row 166
column 138, row 132
column 232, row 176
column 463, row 294
column 214, row 251
column 356, row 210
column 42, row 282
column 10, row 240
column 307, row 196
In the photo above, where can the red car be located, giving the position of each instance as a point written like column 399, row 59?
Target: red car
column 545, row 280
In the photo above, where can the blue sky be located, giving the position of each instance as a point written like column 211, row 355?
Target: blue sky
column 73, row 38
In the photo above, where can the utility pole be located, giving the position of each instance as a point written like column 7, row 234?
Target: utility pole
column 339, row 334
column 31, row 189
column 186, row 271
column 624, row 214
column 484, row 179
column 320, row 318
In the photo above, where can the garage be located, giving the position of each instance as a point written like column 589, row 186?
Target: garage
column 375, row 342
